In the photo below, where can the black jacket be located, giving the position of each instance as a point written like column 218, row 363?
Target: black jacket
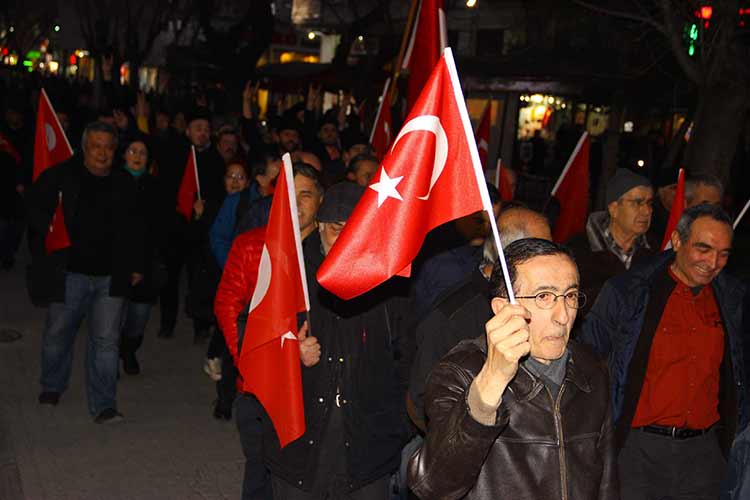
column 366, row 351
column 46, row 278
column 153, row 221
column 539, row 448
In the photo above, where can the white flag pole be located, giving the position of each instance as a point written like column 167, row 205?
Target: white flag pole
column 195, row 169
column 479, row 174
column 289, row 176
column 742, row 214
column 497, row 173
column 570, row 162
column 380, row 107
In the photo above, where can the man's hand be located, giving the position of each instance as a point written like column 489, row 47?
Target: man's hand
column 507, row 343
column 198, row 208
column 309, row 348
column 248, row 99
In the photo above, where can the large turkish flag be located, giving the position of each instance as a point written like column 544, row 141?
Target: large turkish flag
column 270, row 359
column 430, row 176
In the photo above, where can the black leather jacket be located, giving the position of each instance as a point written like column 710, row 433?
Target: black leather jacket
column 539, row 447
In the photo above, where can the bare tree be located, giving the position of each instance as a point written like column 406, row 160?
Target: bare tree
column 717, row 70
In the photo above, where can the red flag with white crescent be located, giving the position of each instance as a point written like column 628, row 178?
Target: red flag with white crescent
column 51, row 146
column 572, row 191
column 270, row 360
column 483, row 135
column 675, row 212
column 430, row 176
column 189, row 187
column 429, row 36
column 382, row 135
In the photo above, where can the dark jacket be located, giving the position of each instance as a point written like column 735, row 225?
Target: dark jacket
column 366, row 351
column 539, row 448
column 47, row 273
column 621, row 326
column 597, row 264
column 153, row 220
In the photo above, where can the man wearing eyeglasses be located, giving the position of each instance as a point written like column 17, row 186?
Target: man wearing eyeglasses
column 521, row 411
column 615, row 238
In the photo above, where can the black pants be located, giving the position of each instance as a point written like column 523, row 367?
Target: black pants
column 175, row 254
column 654, row 467
column 256, row 484
column 226, row 388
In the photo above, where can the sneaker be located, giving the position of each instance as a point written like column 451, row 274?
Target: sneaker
column 49, row 398
column 130, row 364
column 108, row 416
column 212, row 367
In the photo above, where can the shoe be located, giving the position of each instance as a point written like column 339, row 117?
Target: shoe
column 212, row 367
column 49, row 398
column 222, row 412
column 201, row 336
column 130, row 364
column 166, row 333
column 108, row 416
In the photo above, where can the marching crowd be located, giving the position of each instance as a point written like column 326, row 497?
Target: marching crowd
column 610, row 370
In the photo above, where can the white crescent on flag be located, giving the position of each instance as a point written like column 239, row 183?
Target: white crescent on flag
column 49, row 132
column 264, row 280
column 429, row 123
column 289, row 336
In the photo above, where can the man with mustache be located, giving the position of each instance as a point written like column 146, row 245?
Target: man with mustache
column 672, row 332
column 615, row 238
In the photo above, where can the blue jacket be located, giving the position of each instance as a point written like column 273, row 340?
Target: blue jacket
column 737, row 484
column 222, row 231
column 616, row 322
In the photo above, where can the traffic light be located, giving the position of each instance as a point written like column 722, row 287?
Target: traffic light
column 690, row 34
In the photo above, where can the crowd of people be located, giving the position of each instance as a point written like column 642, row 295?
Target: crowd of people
column 612, row 369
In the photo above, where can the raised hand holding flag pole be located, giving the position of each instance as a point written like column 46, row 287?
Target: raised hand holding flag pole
column 431, row 175
column 270, row 358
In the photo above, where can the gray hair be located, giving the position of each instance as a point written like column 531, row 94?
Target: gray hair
column 703, row 210
column 98, row 126
column 692, row 182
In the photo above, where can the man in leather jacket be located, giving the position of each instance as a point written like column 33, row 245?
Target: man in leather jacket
column 521, row 412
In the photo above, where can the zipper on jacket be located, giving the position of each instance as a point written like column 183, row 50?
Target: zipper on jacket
column 560, row 439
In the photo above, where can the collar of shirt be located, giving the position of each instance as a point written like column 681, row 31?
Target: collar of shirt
column 600, row 238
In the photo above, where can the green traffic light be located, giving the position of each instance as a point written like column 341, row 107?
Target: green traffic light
column 691, row 50
column 693, row 32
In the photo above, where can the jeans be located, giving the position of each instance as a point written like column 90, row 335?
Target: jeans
column 134, row 320
column 85, row 296
column 256, row 484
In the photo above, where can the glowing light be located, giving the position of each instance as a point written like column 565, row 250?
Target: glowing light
column 57, row 27
column 706, row 12
column 311, row 35
column 627, row 126
column 11, row 29
column 360, row 38
column 471, row 3
column 551, row 100
column 640, row 163
column 537, row 98
column 54, row 66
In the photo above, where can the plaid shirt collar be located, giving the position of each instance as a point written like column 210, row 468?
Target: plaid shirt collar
column 600, row 238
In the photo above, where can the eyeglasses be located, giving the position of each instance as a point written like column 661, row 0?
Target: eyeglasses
column 640, row 202
column 136, row 152
column 236, row 177
column 546, row 300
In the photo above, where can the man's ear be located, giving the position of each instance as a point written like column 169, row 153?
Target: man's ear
column 612, row 208
column 498, row 303
column 676, row 242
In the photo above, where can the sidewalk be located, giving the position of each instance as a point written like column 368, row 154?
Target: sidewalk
column 168, row 447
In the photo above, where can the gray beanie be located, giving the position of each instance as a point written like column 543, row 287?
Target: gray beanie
column 623, row 181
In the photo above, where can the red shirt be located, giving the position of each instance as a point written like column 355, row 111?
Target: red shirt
column 681, row 387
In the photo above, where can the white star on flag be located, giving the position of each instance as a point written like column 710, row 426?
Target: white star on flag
column 386, row 187
column 287, row 335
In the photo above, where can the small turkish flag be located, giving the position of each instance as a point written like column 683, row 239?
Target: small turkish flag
column 270, row 358
column 50, row 144
column 381, row 136
column 429, row 36
column 57, row 237
column 189, row 187
column 430, row 176
column 7, row 146
column 572, row 191
column 675, row 212
column 483, row 135
column 503, row 182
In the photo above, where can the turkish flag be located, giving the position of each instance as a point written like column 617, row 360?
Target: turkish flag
column 270, row 359
column 382, row 128
column 57, row 237
column 572, row 191
column 8, row 147
column 503, row 182
column 189, row 187
column 430, row 176
column 675, row 212
column 482, row 135
column 50, row 144
column 429, row 36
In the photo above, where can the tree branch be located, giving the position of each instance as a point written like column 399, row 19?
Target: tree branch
column 622, row 15
column 674, row 38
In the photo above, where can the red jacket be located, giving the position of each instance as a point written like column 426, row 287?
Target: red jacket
column 236, row 288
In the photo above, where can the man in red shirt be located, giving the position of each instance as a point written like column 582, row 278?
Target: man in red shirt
column 672, row 332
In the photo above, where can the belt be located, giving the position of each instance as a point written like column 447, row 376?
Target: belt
column 674, row 432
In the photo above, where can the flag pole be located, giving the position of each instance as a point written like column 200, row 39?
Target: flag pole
column 288, row 173
column 497, row 173
column 478, row 172
column 195, row 169
column 380, row 108
column 742, row 214
column 570, row 162
column 402, row 51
